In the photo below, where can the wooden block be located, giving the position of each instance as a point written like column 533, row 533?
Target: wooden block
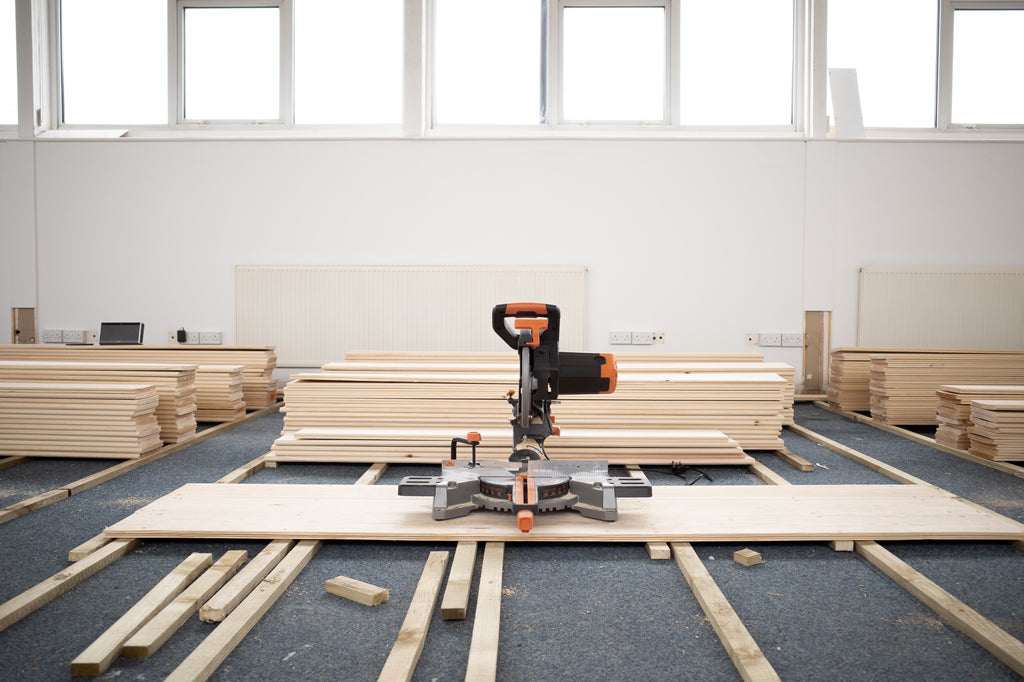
column 747, row 557
column 483, row 647
column 456, row 594
column 205, row 659
column 159, row 629
column 658, row 550
column 744, row 652
column 357, row 591
column 28, row 601
column 841, row 545
column 98, row 656
column 405, row 653
column 239, row 587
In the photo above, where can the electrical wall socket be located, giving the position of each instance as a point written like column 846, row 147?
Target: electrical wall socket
column 92, row 336
column 210, row 338
column 769, row 339
column 52, row 336
column 73, row 336
column 643, row 338
column 659, row 337
column 793, row 340
column 192, row 338
column 620, row 338
column 172, row 337
column 750, row 339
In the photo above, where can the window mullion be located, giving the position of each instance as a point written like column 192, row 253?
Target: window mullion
column 414, row 68
column 672, row 114
column 175, row 71
column 944, row 65
column 286, row 63
column 553, row 101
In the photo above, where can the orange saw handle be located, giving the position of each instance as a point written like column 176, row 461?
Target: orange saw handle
column 540, row 312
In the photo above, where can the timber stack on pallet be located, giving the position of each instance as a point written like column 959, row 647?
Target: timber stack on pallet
column 219, row 388
column 904, row 386
column 175, row 386
column 398, row 445
column 997, row 431
column 259, row 387
column 69, row 419
column 953, row 411
column 627, row 366
column 424, row 357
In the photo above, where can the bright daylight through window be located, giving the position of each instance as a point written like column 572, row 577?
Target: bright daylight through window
column 8, row 66
column 988, row 66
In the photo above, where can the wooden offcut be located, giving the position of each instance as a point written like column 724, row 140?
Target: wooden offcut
column 717, row 513
column 405, row 653
column 747, row 557
column 356, row 590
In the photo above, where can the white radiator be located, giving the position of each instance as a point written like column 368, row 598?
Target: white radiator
column 313, row 314
column 941, row 308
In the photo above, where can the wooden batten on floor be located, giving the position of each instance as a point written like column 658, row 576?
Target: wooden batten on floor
column 88, row 547
column 456, row 594
column 241, row 585
column 401, row 662
column 483, row 647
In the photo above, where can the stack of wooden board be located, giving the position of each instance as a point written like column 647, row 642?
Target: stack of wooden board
column 903, row 386
column 175, row 386
column 219, row 388
column 259, row 386
column 661, row 446
column 748, row 407
column 997, row 431
column 71, row 419
column 953, row 411
column 849, row 377
column 627, row 366
column 421, row 357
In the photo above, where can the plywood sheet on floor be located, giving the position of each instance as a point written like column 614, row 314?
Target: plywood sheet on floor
column 711, row 513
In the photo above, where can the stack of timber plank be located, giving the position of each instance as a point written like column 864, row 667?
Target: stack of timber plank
column 259, row 384
column 71, row 419
column 903, row 386
column 953, row 411
column 219, row 388
column 175, row 386
column 747, row 407
column 997, row 431
column 659, row 446
column 423, row 357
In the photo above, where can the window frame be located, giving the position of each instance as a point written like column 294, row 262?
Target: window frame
column 944, row 82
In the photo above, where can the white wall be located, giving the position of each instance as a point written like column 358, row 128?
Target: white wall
column 17, row 229
column 705, row 240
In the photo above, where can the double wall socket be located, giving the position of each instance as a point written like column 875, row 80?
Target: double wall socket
column 769, row 339
column 73, row 336
column 615, row 338
column 793, row 340
column 210, row 338
column 644, row 338
column 52, row 336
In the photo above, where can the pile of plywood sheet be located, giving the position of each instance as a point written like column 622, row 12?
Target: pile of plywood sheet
column 175, row 386
column 627, row 366
column 259, row 386
column 659, row 446
column 221, row 397
column 953, row 411
column 747, row 407
column 997, row 429
column 903, row 386
column 849, row 378
column 72, row 419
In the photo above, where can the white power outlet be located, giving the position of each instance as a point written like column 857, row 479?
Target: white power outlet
column 620, row 338
column 643, row 338
column 172, row 337
column 210, row 338
column 659, row 337
column 52, row 336
column 73, row 336
column 750, row 339
column 769, row 339
column 192, row 338
column 793, row 340
column 92, row 336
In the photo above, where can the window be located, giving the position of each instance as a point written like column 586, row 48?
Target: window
column 348, row 61
column 614, row 62
column 988, row 66
column 736, row 62
column 8, row 65
column 892, row 45
column 232, row 67
column 113, row 67
column 487, row 61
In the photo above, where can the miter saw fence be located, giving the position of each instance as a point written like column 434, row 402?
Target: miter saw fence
column 528, row 482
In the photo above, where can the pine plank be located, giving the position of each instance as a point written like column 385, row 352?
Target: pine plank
column 742, row 513
column 88, row 547
column 405, row 653
column 208, row 656
column 230, row 595
column 98, row 656
column 455, row 601
column 483, row 647
column 744, row 652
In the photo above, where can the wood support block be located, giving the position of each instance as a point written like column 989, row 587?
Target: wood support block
column 98, row 656
column 841, row 545
column 245, row 471
column 747, row 557
column 658, row 550
column 794, row 460
column 408, row 646
column 456, row 594
column 356, row 590
column 87, row 547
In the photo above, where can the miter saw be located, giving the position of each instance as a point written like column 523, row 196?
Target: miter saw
column 529, row 482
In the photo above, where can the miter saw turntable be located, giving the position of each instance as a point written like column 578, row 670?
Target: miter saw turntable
column 529, row 482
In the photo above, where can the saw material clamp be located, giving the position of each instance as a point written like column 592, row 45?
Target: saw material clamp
column 529, row 483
